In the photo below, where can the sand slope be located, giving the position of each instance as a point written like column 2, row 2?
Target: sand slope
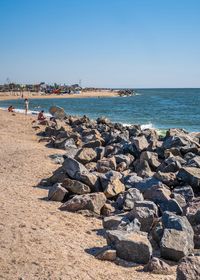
column 37, row 241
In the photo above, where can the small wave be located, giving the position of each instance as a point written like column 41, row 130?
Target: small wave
column 147, row 126
column 30, row 112
column 143, row 126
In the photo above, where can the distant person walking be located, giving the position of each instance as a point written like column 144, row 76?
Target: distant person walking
column 26, row 102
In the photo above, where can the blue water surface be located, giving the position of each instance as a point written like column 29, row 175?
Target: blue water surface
column 163, row 108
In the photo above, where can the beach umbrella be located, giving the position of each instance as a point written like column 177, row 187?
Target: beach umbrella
column 57, row 112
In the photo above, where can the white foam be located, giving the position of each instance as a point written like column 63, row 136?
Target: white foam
column 147, row 126
column 30, row 112
column 143, row 126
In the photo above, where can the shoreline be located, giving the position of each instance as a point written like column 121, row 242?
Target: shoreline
column 33, row 95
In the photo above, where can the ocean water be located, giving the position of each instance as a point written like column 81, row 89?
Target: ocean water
column 158, row 108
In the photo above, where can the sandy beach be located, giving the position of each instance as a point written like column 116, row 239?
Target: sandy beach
column 37, row 240
column 34, row 95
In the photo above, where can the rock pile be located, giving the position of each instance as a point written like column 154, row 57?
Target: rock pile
column 145, row 187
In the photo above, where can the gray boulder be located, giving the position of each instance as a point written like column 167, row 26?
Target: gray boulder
column 191, row 176
column 175, row 141
column 157, row 193
column 171, row 205
column 151, row 158
column 149, row 204
column 196, row 236
column 93, row 144
column 193, row 211
column 194, row 162
column 112, row 222
column 112, row 184
column 175, row 244
column 140, row 143
column 106, row 254
column 74, row 168
column 57, row 192
column 180, row 199
column 158, row 266
column 131, row 180
column 106, row 164
column 75, row 186
column 188, row 268
column 185, row 191
column 120, row 222
column 144, row 215
column 92, row 202
column 126, row 200
column 172, row 221
column 130, row 246
column 168, row 178
column 146, row 183
column 86, row 155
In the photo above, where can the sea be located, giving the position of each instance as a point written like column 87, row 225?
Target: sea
column 152, row 108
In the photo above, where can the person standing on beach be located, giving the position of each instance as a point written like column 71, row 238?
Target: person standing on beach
column 26, row 105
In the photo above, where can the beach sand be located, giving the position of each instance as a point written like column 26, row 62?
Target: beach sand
column 34, row 95
column 37, row 241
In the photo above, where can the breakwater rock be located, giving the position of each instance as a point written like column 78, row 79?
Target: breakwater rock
column 145, row 187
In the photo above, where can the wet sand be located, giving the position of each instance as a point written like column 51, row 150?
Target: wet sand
column 37, row 241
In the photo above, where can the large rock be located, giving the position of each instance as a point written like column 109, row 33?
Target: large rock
column 64, row 143
column 146, row 183
column 106, row 164
column 74, row 168
column 77, row 171
column 168, row 179
column 158, row 193
column 92, row 180
column 143, row 169
column 140, row 143
column 130, row 246
column 86, row 155
column 131, row 180
column 75, row 186
column 158, row 266
column 93, row 144
column 194, row 162
column 147, row 203
column 111, row 184
column 175, row 245
column 92, row 202
column 180, row 199
column 112, row 222
column 172, row 221
column 193, row 211
column 106, row 254
column 171, row 164
column 121, row 222
column 144, row 215
column 151, row 158
column 188, row 268
column 57, row 192
column 175, row 141
column 196, row 236
column 126, row 200
column 171, row 205
column 128, row 159
column 191, row 176
column 58, row 176
column 185, row 191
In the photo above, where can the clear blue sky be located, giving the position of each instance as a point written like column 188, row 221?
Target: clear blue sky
column 106, row 43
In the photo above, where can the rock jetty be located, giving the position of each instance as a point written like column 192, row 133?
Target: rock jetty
column 144, row 187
